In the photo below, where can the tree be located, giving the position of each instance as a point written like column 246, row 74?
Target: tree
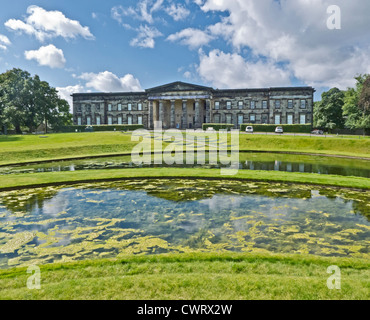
column 364, row 105
column 356, row 104
column 14, row 97
column 29, row 102
column 328, row 111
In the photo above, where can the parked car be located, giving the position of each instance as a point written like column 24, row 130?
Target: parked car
column 279, row 130
column 317, row 132
column 249, row 129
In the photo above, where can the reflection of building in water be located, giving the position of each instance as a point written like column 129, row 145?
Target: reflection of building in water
column 185, row 106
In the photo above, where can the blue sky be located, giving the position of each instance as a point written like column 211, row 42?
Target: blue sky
column 95, row 45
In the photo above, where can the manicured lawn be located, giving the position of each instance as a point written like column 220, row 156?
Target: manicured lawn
column 16, row 149
column 193, row 276
column 37, row 179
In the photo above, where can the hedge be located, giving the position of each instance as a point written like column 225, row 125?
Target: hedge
column 290, row 128
column 123, row 127
column 217, row 126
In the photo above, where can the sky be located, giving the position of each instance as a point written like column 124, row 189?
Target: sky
column 120, row 46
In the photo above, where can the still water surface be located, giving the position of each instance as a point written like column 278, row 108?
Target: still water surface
column 117, row 219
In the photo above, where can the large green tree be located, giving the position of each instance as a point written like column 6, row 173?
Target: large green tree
column 356, row 113
column 27, row 101
column 328, row 111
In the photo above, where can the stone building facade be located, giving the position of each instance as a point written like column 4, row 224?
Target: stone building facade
column 187, row 106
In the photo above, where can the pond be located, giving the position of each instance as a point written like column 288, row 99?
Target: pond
column 248, row 161
column 116, row 219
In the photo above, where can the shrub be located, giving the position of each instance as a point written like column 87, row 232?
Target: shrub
column 289, row 128
column 217, row 126
column 123, row 127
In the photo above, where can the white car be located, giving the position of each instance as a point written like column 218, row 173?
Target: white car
column 279, row 130
column 249, row 129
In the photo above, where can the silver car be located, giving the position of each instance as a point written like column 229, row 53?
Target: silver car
column 249, row 129
column 279, row 130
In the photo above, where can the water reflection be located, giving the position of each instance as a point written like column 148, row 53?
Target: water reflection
column 155, row 216
column 248, row 161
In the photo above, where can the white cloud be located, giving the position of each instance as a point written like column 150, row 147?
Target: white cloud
column 4, row 42
column 295, row 33
column 193, row 38
column 47, row 56
column 143, row 11
column 65, row 92
column 226, row 70
column 109, row 82
column 48, row 24
column 177, row 12
column 145, row 37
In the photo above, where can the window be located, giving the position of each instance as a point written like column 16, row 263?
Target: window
column 129, row 119
column 217, row 118
column 303, row 104
column 97, row 107
column 253, row 104
column 98, row 120
column 140, row 107
column 290, row 119
column 119, row 119
column 228, row 105
column 129, row 107
column 140, row 120
column 79, row 121
column 277, row 118
column 252, row 118
column 88, row 121
column 88, row 108
column 119, row 107
column 240, row 105
column 109, row 107
column 217, row 105
column 240, row 119
column 228, row 119
column 302, row 119
column 290, row 104
column 79, row 108
column 277, row 104
column 110, row 120
column 264, row 104
column 264, row 118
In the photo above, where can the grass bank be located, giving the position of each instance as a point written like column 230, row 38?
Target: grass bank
column 193, row 276
column 51, row 178
column 27, row 148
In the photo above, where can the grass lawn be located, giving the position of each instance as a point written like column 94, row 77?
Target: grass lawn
column 27, row 148
column 42, row 179
column 193, row 276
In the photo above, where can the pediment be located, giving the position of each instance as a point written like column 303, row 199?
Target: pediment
column 178, row 86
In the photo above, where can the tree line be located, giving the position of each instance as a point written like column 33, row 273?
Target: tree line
column 26, row 102
column 339, row 109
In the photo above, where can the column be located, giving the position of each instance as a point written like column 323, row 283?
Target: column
column 198, row 123
column 184, row 117
column 173, row 115
column 208, row 111
column 161, row 112
column 150, row 118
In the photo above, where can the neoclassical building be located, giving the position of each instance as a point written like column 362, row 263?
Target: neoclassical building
column 187, row 106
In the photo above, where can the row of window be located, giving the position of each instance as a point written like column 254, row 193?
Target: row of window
column 264, row 104
column 130, row 107
column 98, row 122
column 264, row 118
